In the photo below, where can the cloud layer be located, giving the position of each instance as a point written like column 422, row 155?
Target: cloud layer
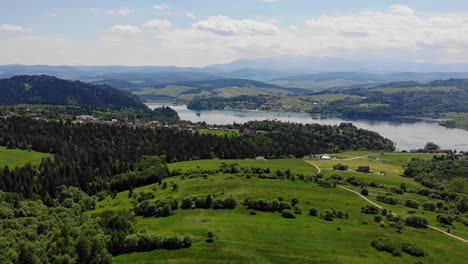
column 396, row 33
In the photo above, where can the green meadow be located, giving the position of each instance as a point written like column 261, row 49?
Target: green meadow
column 266, row 237
column 16, row 157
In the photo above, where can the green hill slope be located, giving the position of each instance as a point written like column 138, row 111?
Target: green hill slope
column 242, row 235
column 226, row 88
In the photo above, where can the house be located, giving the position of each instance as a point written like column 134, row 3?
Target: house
column 260, row 158
column 325, row 157
column 364, row 169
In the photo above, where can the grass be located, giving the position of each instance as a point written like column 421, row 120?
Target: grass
column 16, row 157
column 459, row 120
column 219, row 132
column 269, row 238
column 329, row 98
column 416, row 89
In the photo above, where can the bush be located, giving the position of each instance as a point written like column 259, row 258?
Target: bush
column 412, row 204
column 370, row 209
column 429, row 206
column 378, row 218
column 211, row 237
column 287, row 214
column 328, row 215
column 364, row 192
column 397, row 247
column 297, row 209
column 387, row 199
column 313, row 211
column 416, row 221
column 444, row 219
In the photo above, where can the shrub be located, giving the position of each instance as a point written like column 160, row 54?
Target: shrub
column 364, row 192
column 370, row 209
column 378, row 218
column 429, row 206
column 287, row 214
column 297, row 209
column 328, row 215
column 416, row 221
column 396, row 190
column 444, row 219
column 397, row 247
column 313, row 211
column 387, row 199
column 211, row 237
column 412, row 203
column 294, row 201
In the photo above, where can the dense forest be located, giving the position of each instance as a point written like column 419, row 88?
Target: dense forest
column 43, row 89
column 87, row 155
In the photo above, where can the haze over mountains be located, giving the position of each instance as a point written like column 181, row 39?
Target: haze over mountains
column 292, row 72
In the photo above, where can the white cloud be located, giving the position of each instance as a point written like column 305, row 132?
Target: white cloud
column 124, row 11
column 397, row 33
column 401, row 10
column 158, row 25
column 127, row 29
column 12, row 28
column 161, row 7
column 190, row 15
column 398, row 28
column 224, row 25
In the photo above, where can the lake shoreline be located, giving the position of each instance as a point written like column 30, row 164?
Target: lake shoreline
column 408, row 134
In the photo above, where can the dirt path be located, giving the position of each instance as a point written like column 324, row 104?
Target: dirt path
column 362, row 196
column 432, row 227
column 319, row 170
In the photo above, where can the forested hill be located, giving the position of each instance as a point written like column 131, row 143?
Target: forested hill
column 43, row 89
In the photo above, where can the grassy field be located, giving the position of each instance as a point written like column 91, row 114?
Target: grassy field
column 307, row 102
column 251, row 91
column 269, row 238
column 459, row 120
column 15, row 157
column 416, row 89
column 171, row 90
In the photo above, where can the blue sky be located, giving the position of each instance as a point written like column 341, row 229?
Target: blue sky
column 201, row 32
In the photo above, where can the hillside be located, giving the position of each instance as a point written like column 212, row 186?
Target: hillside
column 397, row 99
column 224, row 88
column 252, row 232
column 42, row 89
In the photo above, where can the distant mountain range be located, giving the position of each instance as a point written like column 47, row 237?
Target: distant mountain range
column 311, row 73
column 42, row 89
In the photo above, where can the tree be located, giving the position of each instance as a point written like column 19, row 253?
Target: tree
column 416, row 221
column 431, row 147
column 364, row 192
column 313, row 211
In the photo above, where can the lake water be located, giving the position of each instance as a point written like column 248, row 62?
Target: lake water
column 407, row 135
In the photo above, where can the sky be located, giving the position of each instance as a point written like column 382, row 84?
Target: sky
column 202, row 32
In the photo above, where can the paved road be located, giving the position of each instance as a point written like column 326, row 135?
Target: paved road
column 432, row 227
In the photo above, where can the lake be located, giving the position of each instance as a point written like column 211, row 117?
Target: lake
column 406, row 134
